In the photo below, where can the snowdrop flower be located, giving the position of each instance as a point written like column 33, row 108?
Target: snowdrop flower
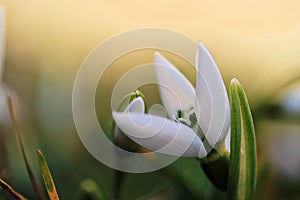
column 198, row 118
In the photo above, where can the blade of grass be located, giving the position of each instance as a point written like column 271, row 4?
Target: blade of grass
column 249, row 141
column 48, row 180
column 242, row 170
column 235, row 143
column 14, row 118
column 9, row 189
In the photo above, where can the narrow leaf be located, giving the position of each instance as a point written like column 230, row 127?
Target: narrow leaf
column 15, row 120
column 235, row 143
column 242, row 171
column 8, row 188
column 249, row 141
column 48, row 180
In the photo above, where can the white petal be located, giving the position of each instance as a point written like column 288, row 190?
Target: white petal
column 175, row 90
column 137, row 105
column 211, row 101
column 160, row 134
column 2, row 36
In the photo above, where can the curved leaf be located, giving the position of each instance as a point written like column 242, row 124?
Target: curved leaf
column 49, row 183
column 13, row 109
column 242, row 169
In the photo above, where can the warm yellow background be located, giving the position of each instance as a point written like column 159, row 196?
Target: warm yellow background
column 255, row 41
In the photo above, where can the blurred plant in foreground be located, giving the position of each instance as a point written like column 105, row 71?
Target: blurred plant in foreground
column 42, row 162
column 89, row 188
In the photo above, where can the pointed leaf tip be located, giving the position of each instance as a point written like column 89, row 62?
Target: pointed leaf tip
column 234, row 81
column 235, row 143
column 242, row 172
column 47, row 177
column 14, row 114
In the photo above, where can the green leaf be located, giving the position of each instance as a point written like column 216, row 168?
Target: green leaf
column 242, row 167
column 13, row 109
column 49, row 183
column 235, row 143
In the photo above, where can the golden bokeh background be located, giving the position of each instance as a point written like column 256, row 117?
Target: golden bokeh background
column 46, row 41
column 258, row 42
